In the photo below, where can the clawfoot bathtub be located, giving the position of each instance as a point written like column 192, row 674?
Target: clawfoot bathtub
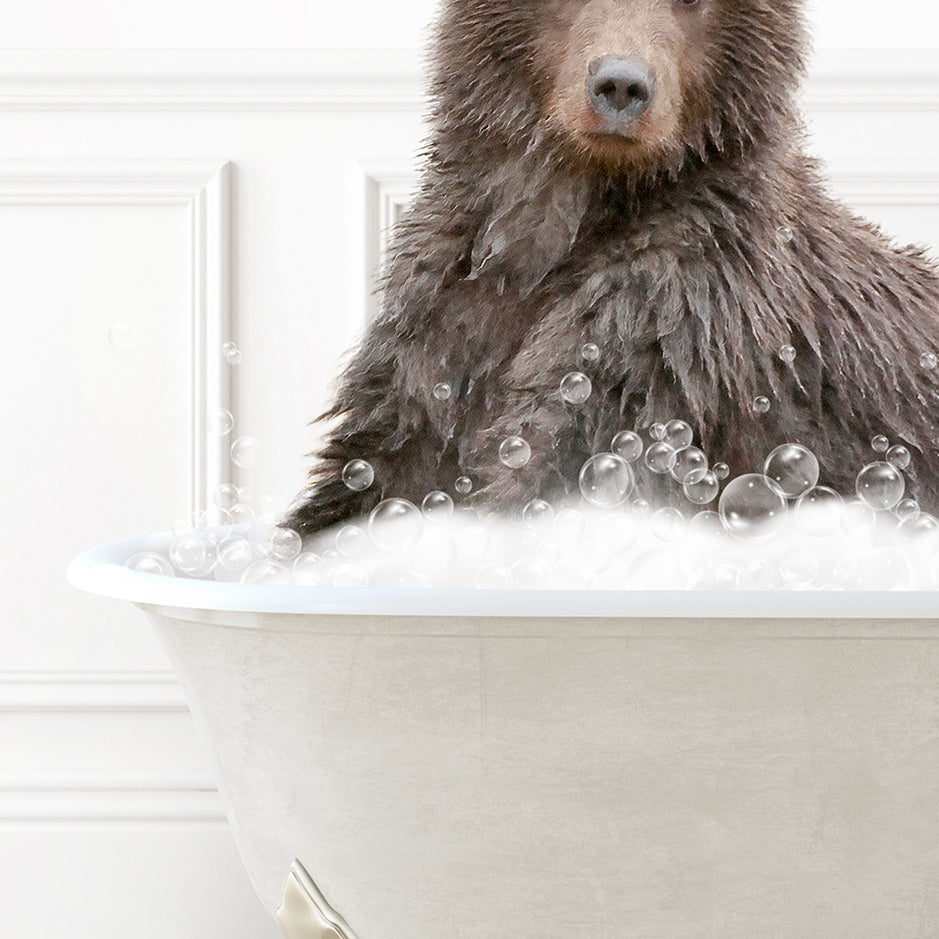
column 545, row 765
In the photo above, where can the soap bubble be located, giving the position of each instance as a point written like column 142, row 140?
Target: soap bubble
column 899, row 456
column 678, row 435
column 358, row 475
column 701, row 486
column 231, row 353
column 858, row 518
column 907, row 508
column 880, row 443
column 149, row 562
column 688, row 460
column 668, row 524
column 220, row 422
column 657, row 432
column 799, row 566
column 437, row 505
column 793, row 468
column 442, row 391
column 576, row 387
column 919, row 533
column 309, row 570
column 761, row 404
column 752, row 508
column 660, row 458
column 787, row 353
column 463, row 485
column 569, row 524
column 241, row 513
column 606, row 480
column 514, row 452
column 628, row 445
column 929, row 360
column 122, row 336
column 244, row 452
column 590, row 352
column 395, row 524
column 192, row 554
column 818, row 511
column 285, row 543
column 785, row 234
column 350, row 541
column 721, row 470
column 267, row 572
column 226, row 496
column 235, row 554
column 880, row 485
column 538, row 515
column 707, row 529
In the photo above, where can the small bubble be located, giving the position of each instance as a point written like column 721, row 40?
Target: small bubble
column 351, row 541
column 242, row 512
column 226, row 496
column 122, row 336
column 149, row 562
column 785, row 234
column 189, row 552
column 707, row 528
column 514, row 452
column 752, row 507
column 657, row 432
column 899, row 456
column 628, row 445
column 590, row 352
column 929, row 360
column 880, row 486
column 538, row 514
column 793, row 468
column 358, row 475
column 285, row 543
column 267, row 572
column 701, row 486
column 880, row 443
column 463, row 485
column 442, row 391
column 606, row 480
column 787, row 353
column 235, row 554
column 220, row 422
column 395, row 524
column 309, row 570
column 668, row 524
column 907, row 508
column 437, row 505
column 231, row 353
column 721, row 470
column 576, row 387
column 761, row 404
column 687, row 461
column 244, row 452
column 678, row 435
column 660, row 458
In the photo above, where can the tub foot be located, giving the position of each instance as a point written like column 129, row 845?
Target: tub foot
column 304, row 913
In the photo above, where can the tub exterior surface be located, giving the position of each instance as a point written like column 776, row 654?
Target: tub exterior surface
column 475, row 778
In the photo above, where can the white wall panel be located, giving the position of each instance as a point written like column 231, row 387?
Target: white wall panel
column 112, row 207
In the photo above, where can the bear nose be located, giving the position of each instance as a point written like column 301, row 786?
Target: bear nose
column 620, row 90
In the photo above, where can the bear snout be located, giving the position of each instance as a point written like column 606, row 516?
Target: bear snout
column 620, row 90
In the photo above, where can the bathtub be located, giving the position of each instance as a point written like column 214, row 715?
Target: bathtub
column 544, row 765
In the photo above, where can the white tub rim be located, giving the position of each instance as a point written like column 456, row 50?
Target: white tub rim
column 100, row 570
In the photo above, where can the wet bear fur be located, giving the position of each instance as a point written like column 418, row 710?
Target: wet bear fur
column 533, row 234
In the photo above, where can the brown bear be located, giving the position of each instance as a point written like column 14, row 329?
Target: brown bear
column 628, row 174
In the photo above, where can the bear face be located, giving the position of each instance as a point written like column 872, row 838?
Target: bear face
column 694, row 77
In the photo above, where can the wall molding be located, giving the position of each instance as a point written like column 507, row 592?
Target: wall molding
column 85, row 691
column 368, row 79
column 203, row 189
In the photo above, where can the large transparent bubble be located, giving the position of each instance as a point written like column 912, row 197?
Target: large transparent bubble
column 752, row 508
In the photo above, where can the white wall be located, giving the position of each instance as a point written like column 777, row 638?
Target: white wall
column 121, row 173
column 230, row 24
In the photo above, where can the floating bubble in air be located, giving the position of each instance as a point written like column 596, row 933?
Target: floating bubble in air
column 358, row 475
column 701, row 486
column 395, row 524
column 929, row 360
column 907, row 508
column 606, row 480
column 688, row 460
column 285, row 543
column 660, row 458
column 463, row 485
column 761, row 404
column 668, row 524
column 191, row 553
column 514, row 452
column 351, row 541
column 442, row 391
column 785, row 234
column 880, row 443
column 628, row 445
column 149, row 562
column 678, row 435
column 122, row 336
column 437, row 505
column 220, row 422
column 576, row 387
column 244, row 452
column 793, row 468
column 235, row 554
column 590, row 352
column 752, row 508
column 787, row 353
column 657, row 432
column 880, row 485
column 538, row 515
column 899, row 456
column 231, row 353
column 721, row 470
column 225, row 496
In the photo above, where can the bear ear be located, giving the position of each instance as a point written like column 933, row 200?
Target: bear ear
column 532, row 222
